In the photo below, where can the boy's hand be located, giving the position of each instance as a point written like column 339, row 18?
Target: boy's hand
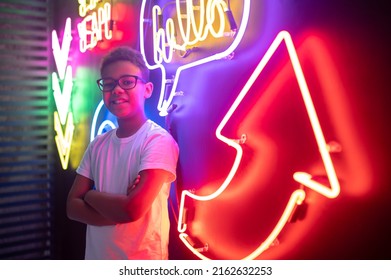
column 131, row 187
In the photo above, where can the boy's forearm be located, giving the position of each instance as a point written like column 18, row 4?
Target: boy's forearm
column 111, row 206
column 79, row 210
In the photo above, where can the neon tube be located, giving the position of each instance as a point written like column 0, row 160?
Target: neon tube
column 303, row 178
column 64, row 140
column 93, row 26
column 168, row 38
column 84, row 8
column 62, row 98
column 102, row 125
column 296, row 198
column 94, row 120
column 61, row 54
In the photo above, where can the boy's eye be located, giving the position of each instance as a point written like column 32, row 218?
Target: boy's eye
column 108, row 84
column 127, row 81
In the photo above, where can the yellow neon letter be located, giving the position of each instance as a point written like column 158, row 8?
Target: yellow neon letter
column 64, row 140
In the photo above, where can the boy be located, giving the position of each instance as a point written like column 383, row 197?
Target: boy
column 122, row 183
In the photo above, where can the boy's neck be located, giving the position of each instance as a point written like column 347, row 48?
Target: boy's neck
column 128, row 127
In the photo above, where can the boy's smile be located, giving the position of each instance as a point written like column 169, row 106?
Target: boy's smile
column 118, row 101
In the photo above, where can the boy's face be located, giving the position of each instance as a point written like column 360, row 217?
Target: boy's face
column 125, row 103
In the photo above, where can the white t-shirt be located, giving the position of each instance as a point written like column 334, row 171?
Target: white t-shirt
column 113, row 163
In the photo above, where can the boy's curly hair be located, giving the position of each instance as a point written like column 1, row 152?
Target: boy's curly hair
column 126, row 54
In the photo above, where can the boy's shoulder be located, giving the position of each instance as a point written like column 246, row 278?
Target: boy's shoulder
column 103, row 136
column 154, row 128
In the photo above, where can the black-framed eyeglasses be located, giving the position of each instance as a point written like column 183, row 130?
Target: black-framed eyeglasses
column 125, row 82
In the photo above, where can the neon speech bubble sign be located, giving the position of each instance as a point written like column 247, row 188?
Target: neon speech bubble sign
column 304, row 178
column 191, row 33
column 209, row 12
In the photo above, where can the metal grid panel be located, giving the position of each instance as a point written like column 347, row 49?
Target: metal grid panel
column 25, row 122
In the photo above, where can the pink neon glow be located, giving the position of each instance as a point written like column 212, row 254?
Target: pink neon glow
column 359, row 166
column 62, row 97
column 303, row 178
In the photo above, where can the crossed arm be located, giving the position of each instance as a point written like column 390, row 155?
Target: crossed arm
column 100, row 209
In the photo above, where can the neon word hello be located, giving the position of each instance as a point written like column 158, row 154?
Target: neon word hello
column 62, row 95
column 165, row 38
column 189, row 33
column 95, row 25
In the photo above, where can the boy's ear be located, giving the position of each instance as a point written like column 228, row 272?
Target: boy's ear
column 148, row 90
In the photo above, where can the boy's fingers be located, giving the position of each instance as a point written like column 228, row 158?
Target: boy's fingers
column 135, row 182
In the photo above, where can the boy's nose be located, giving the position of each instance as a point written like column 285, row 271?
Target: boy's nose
column 117, row 89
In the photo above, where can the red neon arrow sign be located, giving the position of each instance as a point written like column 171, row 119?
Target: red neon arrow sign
column 301, row 177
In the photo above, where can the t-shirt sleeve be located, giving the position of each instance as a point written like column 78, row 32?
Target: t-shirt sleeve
column 160, row 152
column 84, row 167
